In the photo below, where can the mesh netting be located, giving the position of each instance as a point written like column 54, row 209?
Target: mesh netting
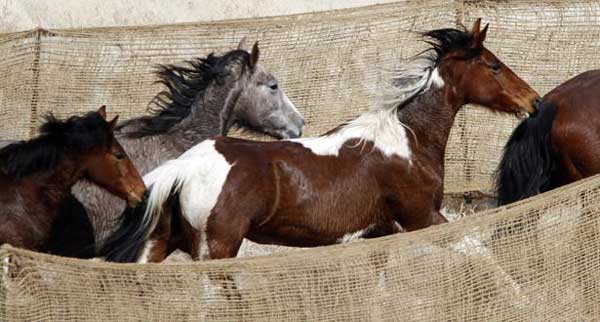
column 537, row 260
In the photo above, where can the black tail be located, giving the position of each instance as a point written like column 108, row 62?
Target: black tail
column 528, row 162
column 126, row 243
column 72, row 233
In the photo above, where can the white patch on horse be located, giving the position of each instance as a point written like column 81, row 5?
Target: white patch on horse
column 203, row 252
column 381, row 125
column 143, row 259
column 378, row 126
column 208, row 176
column 200, row 193
column 436, row 79
column 351, row 236
column 198, row 175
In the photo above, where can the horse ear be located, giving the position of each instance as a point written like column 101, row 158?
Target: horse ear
column 476, row 28
column 113, row 123
column 254, row 55
column 243, row 43
column 478, row 34
column 483, row 33
column 102, row 111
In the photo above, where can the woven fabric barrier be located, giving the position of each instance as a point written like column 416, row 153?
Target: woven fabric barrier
column 538, row 260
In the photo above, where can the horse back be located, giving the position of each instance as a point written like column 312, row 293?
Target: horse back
column 309, row 198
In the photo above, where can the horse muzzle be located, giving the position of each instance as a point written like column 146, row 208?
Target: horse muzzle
column 136, row 195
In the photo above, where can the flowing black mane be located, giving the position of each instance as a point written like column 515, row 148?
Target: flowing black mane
column 447, row 40
column 76, row 134
column 185, row 85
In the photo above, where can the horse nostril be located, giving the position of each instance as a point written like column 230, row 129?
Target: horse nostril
column 293, row 133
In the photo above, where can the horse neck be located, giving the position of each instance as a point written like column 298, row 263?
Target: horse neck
column 204, row 121
column 56, row 184
column 210, row 113
column 430, row 116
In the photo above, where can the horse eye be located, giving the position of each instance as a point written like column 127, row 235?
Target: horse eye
column 273, row 86
column 120, row 155
column 495, row 67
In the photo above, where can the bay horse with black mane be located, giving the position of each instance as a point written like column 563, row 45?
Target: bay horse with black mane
column 203, row 97
column 559, row 145
column 36, row 176
column 385, row 167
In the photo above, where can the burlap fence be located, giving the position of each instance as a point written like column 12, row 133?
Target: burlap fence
column 535, row 261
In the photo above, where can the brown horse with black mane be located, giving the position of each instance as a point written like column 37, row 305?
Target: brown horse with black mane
column 36, row 176
column 384, row 168
column 559, row 145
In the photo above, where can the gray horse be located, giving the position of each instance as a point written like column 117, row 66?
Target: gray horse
column 205, row 98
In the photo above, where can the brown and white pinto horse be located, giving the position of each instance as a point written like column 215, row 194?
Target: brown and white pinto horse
column 36, row 176
column 358, row 180
column 559, row 145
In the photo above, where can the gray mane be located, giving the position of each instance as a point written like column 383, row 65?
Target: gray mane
column 185, row 85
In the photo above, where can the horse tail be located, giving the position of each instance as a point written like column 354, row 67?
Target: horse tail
column 528, row 162
column 126, row 244
column 72, row 234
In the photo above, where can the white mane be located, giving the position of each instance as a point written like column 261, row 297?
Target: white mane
column 381, row 125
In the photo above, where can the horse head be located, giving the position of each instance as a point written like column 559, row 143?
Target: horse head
column 478, row 74
column 107, row 164
column 261, row 104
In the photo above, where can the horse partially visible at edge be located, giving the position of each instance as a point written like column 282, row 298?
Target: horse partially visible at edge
column 36, row 176
column 559, row 145
column 361, row 179
column 204, row 97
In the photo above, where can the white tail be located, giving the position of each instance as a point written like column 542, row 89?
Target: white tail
column 162, row 182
